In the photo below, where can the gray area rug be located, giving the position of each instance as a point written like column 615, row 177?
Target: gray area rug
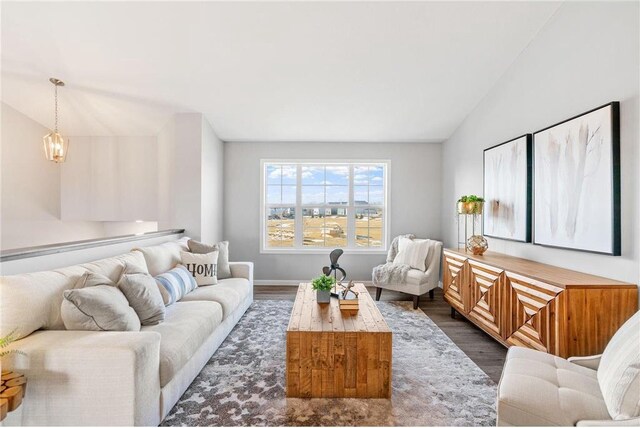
column 434, row 382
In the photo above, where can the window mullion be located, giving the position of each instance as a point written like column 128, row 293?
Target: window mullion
column 351, row 212
column 298, row 241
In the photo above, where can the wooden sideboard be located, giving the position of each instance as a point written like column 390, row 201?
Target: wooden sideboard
column 524, row 303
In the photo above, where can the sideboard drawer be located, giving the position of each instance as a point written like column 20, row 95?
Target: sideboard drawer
column 483, row 298
column 453, row 280
column 529, row 312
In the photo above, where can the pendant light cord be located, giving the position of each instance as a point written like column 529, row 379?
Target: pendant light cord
column 56, row 103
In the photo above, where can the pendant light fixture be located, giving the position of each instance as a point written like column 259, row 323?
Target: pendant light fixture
column 55, row 146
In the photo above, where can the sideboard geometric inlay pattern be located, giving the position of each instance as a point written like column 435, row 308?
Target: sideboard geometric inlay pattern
column 484, row 295
column 524, row 303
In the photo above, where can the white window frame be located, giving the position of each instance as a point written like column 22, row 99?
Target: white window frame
column 298, row 248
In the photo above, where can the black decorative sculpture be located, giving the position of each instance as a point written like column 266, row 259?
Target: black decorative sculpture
column 335, row 268
column 349, row 289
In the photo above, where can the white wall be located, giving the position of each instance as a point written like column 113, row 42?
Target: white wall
column 183, row 169
column 30, row 189
column 190, row 168
column 30, row 192
column 586, row 56
column 415, row 195
column 166, row 147
column 212, row 186
column 111, row 178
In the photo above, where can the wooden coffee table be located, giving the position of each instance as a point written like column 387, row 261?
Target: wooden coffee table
column 337, row 354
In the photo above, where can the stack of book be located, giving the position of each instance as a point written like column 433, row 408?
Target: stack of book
column 348, row 302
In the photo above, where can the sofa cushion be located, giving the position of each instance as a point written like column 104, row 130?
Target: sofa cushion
column 186, row 327
column 541, row 389
column 163, row 257
column 229, row 293
column 42, row 293
column 619, row 371
column 416, row 277
column 98, row 308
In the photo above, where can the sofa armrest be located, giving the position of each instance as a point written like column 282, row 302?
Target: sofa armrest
column 90, row 378
column 591, row 362
column 610, row 423
column 242, row 270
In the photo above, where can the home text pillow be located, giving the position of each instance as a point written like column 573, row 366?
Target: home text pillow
column 203, row 267
column 175, row 284
column 143, row 295
column 413, row 253
column 98, row 308
column 619, row 371
column 224, row 270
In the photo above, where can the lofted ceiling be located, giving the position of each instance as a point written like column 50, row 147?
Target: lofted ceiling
column 268, row 71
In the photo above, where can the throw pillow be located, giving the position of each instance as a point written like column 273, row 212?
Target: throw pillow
column 143, row 295
column 91, row 279
column 413, row 253
column 163, row 257
column 224, row 270
column 203, row 267
column 175, row 284
column 98, row 308
column 619, row 371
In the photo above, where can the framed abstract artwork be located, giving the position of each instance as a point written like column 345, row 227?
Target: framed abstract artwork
column 577, row 182
column 507, row 190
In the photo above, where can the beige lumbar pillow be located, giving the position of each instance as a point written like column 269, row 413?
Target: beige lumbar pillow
column 98, row 308
column 224, row 270
column 143, row 295
column 203, row 267
column 413, row 253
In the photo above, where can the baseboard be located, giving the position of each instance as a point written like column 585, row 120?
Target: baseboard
column 275, row 282
column 290, row 282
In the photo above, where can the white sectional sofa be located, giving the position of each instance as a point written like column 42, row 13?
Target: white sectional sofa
column 115, row 378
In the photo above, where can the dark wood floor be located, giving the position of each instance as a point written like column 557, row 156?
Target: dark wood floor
column 483, row 350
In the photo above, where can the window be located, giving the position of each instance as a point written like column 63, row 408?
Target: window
column 313, row 205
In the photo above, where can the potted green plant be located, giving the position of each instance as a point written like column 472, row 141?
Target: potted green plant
column 323, row 285
column 6, row 341
column 470, row 204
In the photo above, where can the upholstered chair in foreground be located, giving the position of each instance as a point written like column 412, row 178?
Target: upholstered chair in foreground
column 602, row 390
column 413, row 267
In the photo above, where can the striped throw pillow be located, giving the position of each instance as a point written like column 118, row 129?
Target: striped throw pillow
column 175, row 284
column 413, row 252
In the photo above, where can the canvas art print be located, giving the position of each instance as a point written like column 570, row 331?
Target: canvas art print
column 577, row 183
column 507, row 190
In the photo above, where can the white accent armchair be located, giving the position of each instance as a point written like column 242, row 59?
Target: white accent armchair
column 602, row 390
column 417, row 282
